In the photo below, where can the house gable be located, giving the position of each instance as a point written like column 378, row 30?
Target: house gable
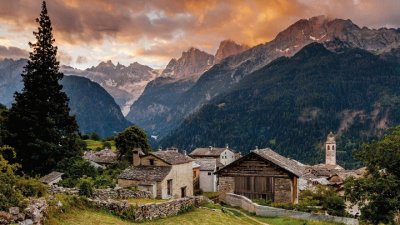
column 149, row 159
column 254, row 165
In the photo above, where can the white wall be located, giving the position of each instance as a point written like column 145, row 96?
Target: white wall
column 208, row 183
column 227, row 157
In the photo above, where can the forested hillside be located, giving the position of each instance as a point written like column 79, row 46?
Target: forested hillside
column 291, row 104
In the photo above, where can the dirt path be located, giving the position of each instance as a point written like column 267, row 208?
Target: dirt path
column 245, row 215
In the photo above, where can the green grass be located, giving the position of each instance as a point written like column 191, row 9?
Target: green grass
column 92, row 144
column 197, row 216
column 201, row 216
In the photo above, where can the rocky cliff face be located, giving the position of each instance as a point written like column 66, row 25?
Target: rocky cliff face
column 227, row 48
column 124, row 83
column 191, row 64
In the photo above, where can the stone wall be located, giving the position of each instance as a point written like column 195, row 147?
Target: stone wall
column 33, row 214
column 109, row 193
column 260, row 210
column 149, row 211
column 226, row 185
column 282, row 190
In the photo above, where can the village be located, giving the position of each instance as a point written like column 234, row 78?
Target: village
column 241, row 181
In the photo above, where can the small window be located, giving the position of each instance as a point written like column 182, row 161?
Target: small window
column 333, row 147
column 209, row 173
column 151, row 162
column 169, row 187
column 329, row 147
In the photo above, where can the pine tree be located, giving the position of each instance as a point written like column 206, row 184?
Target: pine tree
column 39, row 125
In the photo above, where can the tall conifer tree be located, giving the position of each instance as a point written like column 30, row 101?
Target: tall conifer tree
column 39, row 125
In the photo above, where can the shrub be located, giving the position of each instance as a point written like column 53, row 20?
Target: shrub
column 86, row 188
column 31, row 187
column 334, row 205
column 107, row 144
column 68, row 182
column 94, row 136
column 104, row 181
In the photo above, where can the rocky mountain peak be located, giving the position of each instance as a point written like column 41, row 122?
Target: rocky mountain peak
column 227, row 48
column 191, row 64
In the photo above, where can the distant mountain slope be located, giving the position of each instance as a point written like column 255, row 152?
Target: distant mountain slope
column 221, row 77
column 10, row 79
column 292, row 103
column 124, row 83
column 95, row 109
column 156, row 108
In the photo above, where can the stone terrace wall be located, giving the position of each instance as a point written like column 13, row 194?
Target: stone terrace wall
column 149, row 211
column 116, row 193
column 260, row 210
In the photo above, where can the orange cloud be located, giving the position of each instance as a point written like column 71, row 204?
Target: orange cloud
column 163, row 29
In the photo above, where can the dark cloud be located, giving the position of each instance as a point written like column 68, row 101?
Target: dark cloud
column 12, row 52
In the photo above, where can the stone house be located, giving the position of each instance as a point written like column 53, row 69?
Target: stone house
column 166, row 174
column 261, row 174
column 51, row 178
column 102, row 158
column 207, row 178
column 224, row 156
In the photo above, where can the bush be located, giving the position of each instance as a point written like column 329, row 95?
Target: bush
column 68, row 182
column 31, row 187
column 86, row 188
column 76, row 167
column 107, row 144
column 104, row 181
column 334, row 205
column 94, row 136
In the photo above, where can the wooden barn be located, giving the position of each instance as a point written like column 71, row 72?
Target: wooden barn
column 261, row 174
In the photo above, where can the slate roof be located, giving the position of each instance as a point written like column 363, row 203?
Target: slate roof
column 171, row 157
column 51, row 177
column 210, row 151
column 145, row 173
column 207, row 164
column 287, row 164
column 104, row 156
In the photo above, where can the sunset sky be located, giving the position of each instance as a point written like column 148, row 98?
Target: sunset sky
column 152, row 32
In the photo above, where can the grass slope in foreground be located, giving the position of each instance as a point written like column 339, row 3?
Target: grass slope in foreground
column 196, row 217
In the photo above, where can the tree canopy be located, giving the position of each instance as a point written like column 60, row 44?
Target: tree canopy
column 131, row 137
column 39, row 125
column 378, row 193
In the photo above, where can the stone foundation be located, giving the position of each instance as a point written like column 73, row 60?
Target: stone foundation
column 226, row 185
column 283, row 190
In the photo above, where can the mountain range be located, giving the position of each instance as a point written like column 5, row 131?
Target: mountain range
column 164, row 115
column 94, row 108
column 124, row 83
column 292, row 103
column 286, row 93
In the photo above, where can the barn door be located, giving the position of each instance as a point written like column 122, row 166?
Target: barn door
column 255, row 187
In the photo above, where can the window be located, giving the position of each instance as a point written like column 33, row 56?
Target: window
column 169, row 187
column 151, row 162
column 329, row 147
column 209, row 173
column 333, row 147
column 183, row 192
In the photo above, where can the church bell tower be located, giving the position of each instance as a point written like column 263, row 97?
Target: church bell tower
column 330, row 149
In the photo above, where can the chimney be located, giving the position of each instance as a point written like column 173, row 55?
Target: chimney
column 136, row 156
column 210, row 147
column 256, row 147
column 227, row 146
column 184, row 152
